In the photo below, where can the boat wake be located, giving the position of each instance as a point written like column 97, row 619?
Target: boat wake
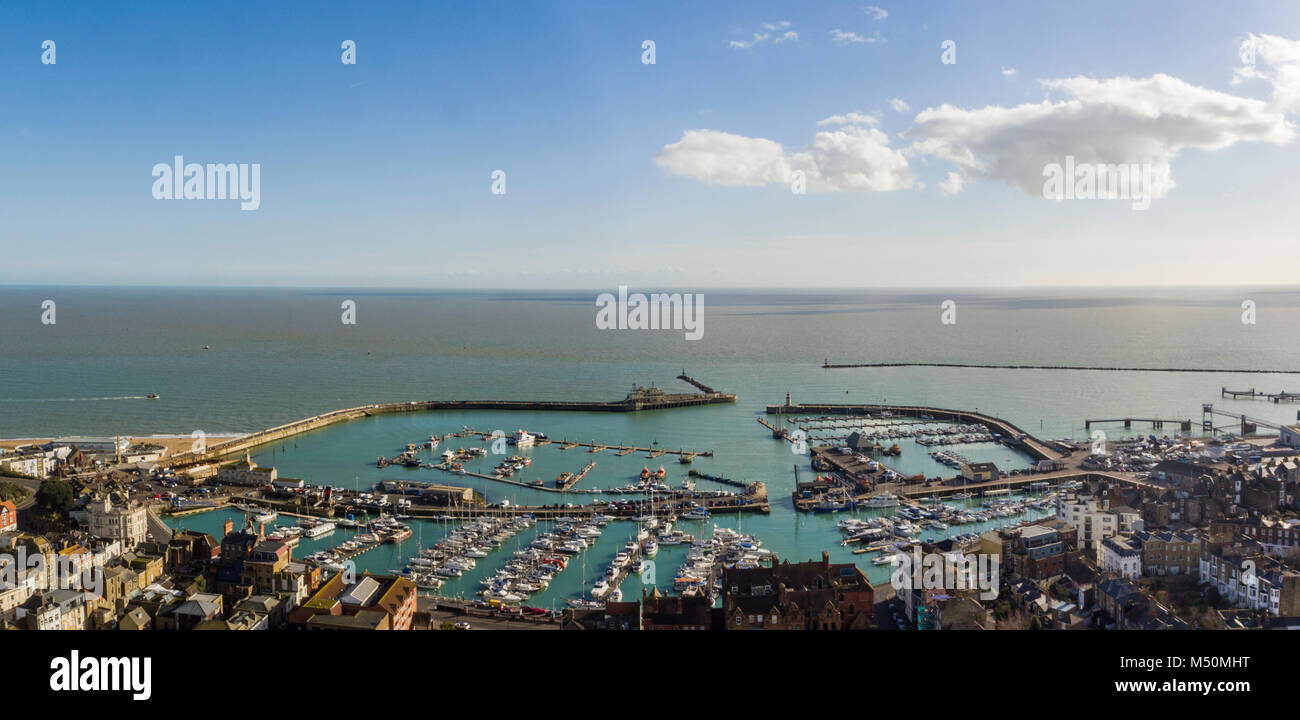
column 81, row 399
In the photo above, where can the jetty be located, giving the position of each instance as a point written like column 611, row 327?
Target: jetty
column 595, row 447
column 640, row 399
column 1184, row 425
column 828, row 365
column 1276, row 397
column 1036, row 448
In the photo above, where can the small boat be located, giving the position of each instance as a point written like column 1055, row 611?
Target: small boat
column 152, row 396
column 881, row 501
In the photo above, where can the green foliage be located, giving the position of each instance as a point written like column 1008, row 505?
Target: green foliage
column 12, row 491
column 54, row 498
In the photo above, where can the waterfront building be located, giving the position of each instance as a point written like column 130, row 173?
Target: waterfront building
column 979, row 472
column 394, row 597
column 812, row 595
column 677, row 612
column 247, row 472
column 92, row 445
column 615, row 616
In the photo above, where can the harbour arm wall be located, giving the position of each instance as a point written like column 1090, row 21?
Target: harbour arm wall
column 640, row 399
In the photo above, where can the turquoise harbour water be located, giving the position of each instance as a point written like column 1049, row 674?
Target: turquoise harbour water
column 279, row 355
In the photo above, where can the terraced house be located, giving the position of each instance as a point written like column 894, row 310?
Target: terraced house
column 1169, row 553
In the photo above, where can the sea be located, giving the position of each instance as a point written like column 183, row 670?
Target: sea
column 276, row 355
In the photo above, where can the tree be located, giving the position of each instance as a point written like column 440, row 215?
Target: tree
column 54, row 497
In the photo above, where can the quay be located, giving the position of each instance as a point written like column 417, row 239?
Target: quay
column 828, row 365
column 640, row 399
column 1051, row 477
column 594, row 447
column 753, row 499
column 1276, row 397
column 1012, row 434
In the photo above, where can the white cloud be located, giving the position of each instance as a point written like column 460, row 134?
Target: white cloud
column 741, row 44
column 853, row 118
column 851, row 158
column 759, row 38
column 1275, row 60
column 845, row 37
column 877, row 13
column 950, row 185
column 722, row 158
column 1008, row 72
column 1118, row 120
column 897, row 105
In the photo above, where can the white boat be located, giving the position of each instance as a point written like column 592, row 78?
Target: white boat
column 266, row 517
column 522, row 438
column 880, row 501
column 650, row 548
column 319, row 529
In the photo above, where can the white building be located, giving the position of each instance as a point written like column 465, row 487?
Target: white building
column 246, row 472
column 127, row 523
column 31, row 464
column 94, row 445
column 1094, row 522
column 1239, row 580
column 1120, row 555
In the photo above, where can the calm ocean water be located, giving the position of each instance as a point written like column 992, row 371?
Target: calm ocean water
column 282, row 354
column 278, row 355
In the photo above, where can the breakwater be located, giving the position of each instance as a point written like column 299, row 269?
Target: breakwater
column 640, row 399
column 1014, row 435
column 1244, row 371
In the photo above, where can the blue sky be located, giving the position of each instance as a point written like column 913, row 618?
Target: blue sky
column 379, row 173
